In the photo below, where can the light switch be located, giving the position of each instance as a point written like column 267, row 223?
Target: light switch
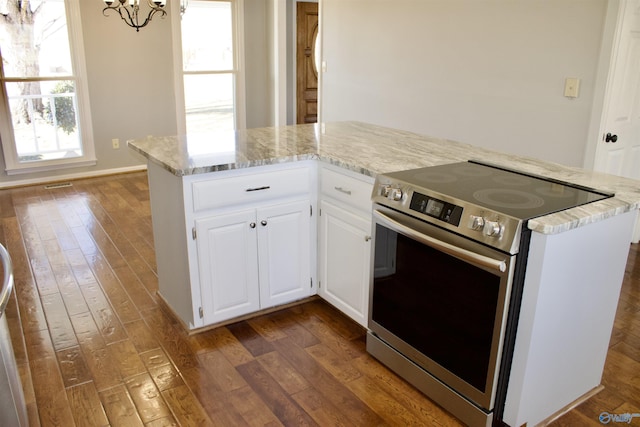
column 571, row 87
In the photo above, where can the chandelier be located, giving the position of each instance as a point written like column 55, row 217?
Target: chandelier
column 129, row 13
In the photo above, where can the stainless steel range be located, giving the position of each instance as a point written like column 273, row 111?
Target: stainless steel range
column 450, row 255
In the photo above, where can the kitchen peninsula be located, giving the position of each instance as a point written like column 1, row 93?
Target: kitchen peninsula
column 369, row 150
column 236, row 231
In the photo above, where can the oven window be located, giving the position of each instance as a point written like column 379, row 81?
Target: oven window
column 443, row 307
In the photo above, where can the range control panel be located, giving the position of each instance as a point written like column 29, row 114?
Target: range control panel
column 447, row 212
column 486, row 226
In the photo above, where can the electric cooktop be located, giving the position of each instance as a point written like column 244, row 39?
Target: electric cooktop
column 485, row 202
column 512, row 193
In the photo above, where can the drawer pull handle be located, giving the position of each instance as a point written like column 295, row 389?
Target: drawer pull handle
column 342, row 190
column 252, row 225
column 266, row 187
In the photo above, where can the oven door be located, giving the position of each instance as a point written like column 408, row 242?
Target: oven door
column 441, row 300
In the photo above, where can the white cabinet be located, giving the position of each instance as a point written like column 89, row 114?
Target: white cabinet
column 345, row 242
column 253, row 259
column 345, row 257
column 230, row 243
column 217, row 261
column 228, row 267
column 284, row 253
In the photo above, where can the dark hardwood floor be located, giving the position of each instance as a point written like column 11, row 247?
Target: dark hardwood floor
column 94, row 348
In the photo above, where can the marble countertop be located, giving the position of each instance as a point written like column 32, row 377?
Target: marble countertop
column 371, row 150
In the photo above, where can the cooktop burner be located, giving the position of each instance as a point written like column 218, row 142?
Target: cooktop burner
column 512, row 193
column 488, row 203
column 508, row 198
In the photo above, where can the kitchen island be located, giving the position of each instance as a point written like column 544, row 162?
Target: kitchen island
column 255, row 194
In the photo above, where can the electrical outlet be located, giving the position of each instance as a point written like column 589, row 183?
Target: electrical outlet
column 115, row 142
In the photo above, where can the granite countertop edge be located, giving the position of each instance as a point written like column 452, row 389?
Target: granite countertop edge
column 170, row 156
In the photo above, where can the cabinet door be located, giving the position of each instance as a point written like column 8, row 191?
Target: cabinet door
column 345, row 259
column 227, row 253
column 284, row 252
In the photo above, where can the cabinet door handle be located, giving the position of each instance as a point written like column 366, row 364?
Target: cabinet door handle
column 252, row 225
column 266, row 187
column 342, row 190
column 367, row 238
column 263, row 222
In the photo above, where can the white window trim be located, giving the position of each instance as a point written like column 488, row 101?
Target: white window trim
column 239, row 99
column 239, row 94
column 88, row 158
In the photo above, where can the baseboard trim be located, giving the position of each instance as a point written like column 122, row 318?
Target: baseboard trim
column 73, row 176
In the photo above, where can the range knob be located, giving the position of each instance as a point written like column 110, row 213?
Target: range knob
column 476, row 222
column 395, row 194
column 493, row 228
column 385, row 189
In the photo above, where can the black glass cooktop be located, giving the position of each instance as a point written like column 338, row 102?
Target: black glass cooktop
column 510, row 192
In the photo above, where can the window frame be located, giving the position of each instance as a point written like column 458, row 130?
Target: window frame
column 76, row 43
column 237, row 72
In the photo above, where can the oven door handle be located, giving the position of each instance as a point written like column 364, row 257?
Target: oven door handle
column 445, row 247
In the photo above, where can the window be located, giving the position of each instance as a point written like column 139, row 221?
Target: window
column 210, row 73
column 44, row 117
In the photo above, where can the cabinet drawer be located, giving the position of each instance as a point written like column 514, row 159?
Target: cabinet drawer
column 250, row 188
column 346, row 189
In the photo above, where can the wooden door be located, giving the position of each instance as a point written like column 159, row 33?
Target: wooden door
column 618, row 151
column 284, row 253
column 306, row 67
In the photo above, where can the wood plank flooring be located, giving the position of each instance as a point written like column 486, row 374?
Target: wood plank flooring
column 95, row 349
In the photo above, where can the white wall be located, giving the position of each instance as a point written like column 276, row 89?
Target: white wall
column 486, row 72
column 257, row 45
column 130, row 77
column 130, row 89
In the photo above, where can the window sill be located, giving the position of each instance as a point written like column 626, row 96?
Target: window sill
column 49, row 166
